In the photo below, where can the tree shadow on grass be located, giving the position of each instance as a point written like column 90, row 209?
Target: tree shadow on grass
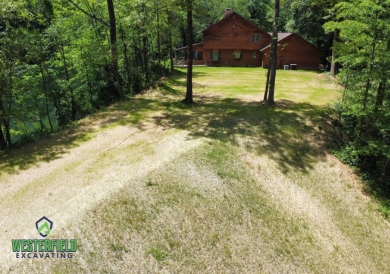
column 179, row 79
column 182, row 73
column 168, row 89
column 46, row 149
column 55, row 145
column 292, row 134
column 289, row 133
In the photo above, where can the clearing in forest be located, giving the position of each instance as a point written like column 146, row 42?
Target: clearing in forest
column 224, row 186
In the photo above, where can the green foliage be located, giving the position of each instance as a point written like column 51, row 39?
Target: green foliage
column 261, row 13
column 364, row 52
column 56, row 65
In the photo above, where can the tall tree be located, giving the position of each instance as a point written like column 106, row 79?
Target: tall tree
column 114, row 47
column 113, row 39
column 363, row 51
column 188, row 99
column 270, row 85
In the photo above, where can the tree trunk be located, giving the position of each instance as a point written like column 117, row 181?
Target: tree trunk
column 380, row 95
column 267, row 81
column 171, row 42
column 333, row 65
column 189, row 99
column 46, row 99
column 6, row 123
column 61, row 117
column 145, row 57
column 67, row 75
column 158, row 38
column 274, row 49
column 3, row 143
column 362, row 119
column 42, row 125
column 7, row 129
column 171, row 51
column 381, row 88
column 88, row 78
column 4, row 130
column 7, row 119
column 385, row 169
column 369, row 78
column 113, row 44
column 114, row 47
column 125, row 55
column 145, row 52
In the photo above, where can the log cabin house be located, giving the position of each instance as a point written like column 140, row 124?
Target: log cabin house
column 235, row 41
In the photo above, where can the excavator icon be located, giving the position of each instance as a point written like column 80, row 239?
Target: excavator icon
column 44, row 226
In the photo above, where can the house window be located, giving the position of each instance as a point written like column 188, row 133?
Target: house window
column 198, row 55
column 255, row 37
column 254, row 54
column 215, row 55
column 237, row 54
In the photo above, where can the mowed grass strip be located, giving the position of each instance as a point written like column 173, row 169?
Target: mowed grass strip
column 213, row 211
column 262, row 195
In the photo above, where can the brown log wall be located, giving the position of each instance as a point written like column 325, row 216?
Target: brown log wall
column 295, row 51
column 227, row 59
column 235, row 34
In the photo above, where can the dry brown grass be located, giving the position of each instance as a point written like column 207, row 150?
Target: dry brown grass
column 219, row 209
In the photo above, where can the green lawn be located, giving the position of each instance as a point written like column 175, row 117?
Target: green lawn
column 298, row 86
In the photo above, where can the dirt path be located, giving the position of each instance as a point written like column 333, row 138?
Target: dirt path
column 63, row 189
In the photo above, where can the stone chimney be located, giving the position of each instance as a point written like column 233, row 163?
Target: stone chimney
column 228, row 11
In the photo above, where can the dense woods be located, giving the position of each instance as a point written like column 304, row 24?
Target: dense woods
column 362, row 50
column 61, row 60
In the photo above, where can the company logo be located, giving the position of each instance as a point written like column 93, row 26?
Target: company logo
column 44, row 226
column 44, row 248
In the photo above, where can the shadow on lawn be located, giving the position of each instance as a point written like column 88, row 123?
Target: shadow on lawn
column 291, row 133
column 55, row 145
column 46, row 149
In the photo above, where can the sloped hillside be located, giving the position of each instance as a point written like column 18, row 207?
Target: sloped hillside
column 225, row 186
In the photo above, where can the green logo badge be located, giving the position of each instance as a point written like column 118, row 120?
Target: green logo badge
column 44, row 226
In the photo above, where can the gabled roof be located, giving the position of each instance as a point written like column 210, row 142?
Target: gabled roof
column 283, row 36
column 227, row 18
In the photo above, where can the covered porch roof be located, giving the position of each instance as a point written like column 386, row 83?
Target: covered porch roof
column 195, row 46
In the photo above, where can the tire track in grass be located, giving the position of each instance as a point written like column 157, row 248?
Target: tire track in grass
column 64, row 189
